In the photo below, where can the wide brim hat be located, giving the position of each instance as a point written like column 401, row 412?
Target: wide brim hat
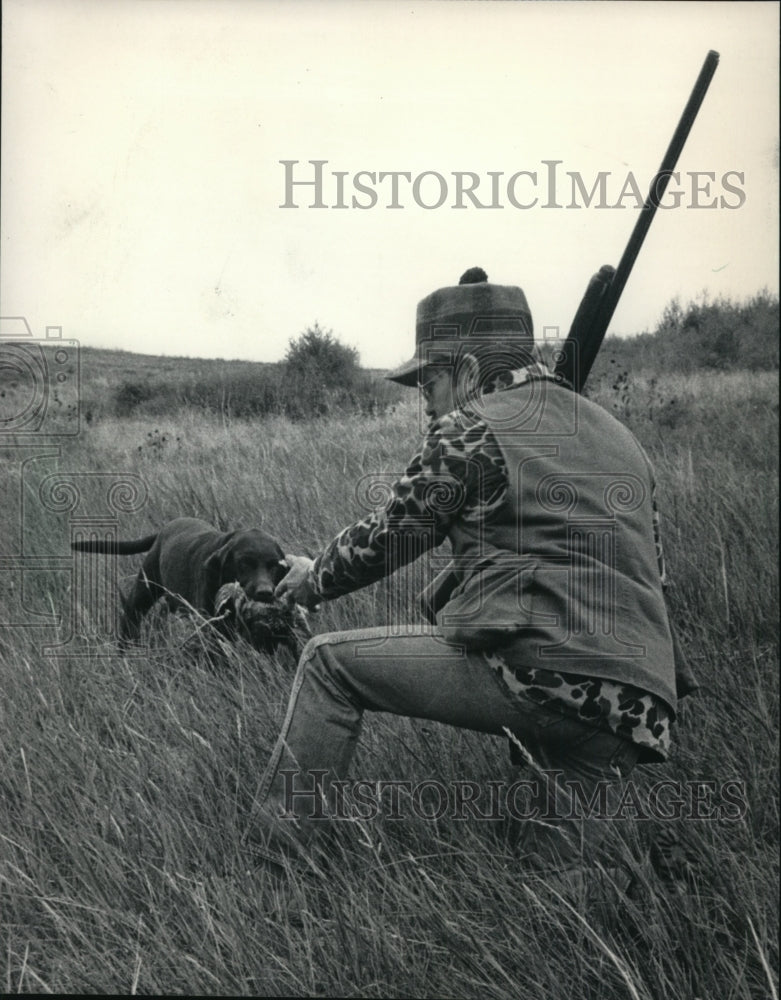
column 471, row 315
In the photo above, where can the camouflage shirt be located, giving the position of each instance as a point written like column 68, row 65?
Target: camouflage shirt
column 460, row 451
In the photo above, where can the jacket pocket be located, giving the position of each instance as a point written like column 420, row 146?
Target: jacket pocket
column 493, row 604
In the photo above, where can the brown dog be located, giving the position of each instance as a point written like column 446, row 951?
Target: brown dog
column 189, row 561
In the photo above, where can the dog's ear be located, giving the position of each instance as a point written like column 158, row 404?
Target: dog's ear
column 215, row 564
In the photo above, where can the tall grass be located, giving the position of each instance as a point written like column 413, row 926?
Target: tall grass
column 127, row 782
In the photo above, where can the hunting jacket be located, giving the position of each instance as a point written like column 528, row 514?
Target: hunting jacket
column 558, row 567
column 565, row 574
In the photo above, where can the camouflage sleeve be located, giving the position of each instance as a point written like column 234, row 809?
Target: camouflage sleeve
column 459, row 473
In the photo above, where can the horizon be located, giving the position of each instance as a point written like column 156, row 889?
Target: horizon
column 378, row 368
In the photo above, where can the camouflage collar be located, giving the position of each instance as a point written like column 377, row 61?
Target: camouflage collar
column 536, row 371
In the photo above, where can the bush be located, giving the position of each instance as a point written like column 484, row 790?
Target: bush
column 322, row 376
column 708, row 336
column 130, row 395
column 316, row 353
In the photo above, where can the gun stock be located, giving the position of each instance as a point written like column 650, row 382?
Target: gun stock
column 582, row 343
column 604, row 290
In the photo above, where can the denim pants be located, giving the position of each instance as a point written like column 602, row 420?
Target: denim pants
column 343, row 674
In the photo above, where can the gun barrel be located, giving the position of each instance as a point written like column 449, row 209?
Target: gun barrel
column 658, row 187
column 577, row 361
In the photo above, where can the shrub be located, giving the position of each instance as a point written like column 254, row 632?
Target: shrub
column 130, row 395
column 317, row 353
column 703, row 335
column 322, row 376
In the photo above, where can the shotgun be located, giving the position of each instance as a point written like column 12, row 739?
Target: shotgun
column 601, row 297
column 599, row 302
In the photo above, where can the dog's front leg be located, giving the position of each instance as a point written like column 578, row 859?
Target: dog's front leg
column 142, row 596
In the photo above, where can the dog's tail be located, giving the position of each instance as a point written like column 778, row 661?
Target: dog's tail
column 116, row 548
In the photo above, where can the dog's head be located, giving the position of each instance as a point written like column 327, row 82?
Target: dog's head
column 253, row 559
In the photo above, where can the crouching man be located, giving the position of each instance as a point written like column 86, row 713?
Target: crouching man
column 550, row 621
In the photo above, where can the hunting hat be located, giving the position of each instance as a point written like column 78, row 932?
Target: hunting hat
column 460, row 318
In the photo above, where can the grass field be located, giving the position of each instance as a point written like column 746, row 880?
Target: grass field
column 127, row 782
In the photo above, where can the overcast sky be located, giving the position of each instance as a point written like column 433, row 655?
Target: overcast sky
column 142, row 187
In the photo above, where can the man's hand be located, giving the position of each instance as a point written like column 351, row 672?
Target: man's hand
column 297, row 586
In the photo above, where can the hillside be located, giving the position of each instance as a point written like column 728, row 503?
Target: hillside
column 700, row 336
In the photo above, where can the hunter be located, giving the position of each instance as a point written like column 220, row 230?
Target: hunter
column 549, row 624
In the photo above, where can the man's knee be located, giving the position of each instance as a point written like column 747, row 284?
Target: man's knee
column 320, row 647
column 323, row 658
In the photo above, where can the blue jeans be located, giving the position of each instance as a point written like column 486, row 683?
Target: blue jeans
column 342, row 674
